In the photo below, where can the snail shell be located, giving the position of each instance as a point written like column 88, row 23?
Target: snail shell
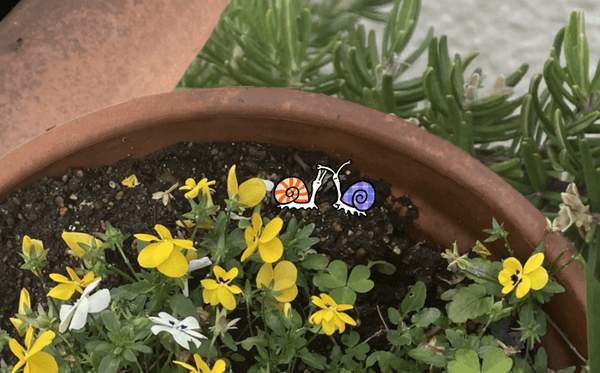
column 291, row 189
column 360, row 195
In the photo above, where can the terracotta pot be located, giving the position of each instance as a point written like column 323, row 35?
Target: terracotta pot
column 64, row 59
column 457, row 196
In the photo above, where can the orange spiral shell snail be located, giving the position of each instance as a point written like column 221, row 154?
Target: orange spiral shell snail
column 291, row 189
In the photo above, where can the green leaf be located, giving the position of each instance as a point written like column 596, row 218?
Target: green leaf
column 314, row 360
column 415, row 299
column 343, row 295
column 495, row 361
column 455, row 338
column 394, row 316
column 469, row 303
column 420, row 353
column 465, row 361
column 110, row 321
column 359, row 279
column 383, row 267
column 339, row 270
column 142, row 348
column 128, row 355
column 314, row 261
column 350, row 339
column 182, row 305
column 109, row 364
column 397, row 339
column 425, row 317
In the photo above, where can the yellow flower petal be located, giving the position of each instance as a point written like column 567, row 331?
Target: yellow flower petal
column 287, row 295
column 29, row 244
column 328, row 327
column 285, row 270
column 271, row 251
column 317, row 317
column 231, row 274
column 62, row 291
column 328, row 300
column 210, row 296
column 232, row 184
column 344, row 307
column 18, row 351
column 200, row 364
column 256, row 223
column 251, row 192
column 523, row 287
column 271, row 230
column 264, row 276
column 163, row 232
column 226, row 298
column 146, row 237
column 504, row 277
column 512, row 264
column 24, row 300
column 347, row 319
column 234, row 289
column 538, row 278
column 318, row 302
column 175, row 265
column 186, row 366
column 533, row 263
column 72, row 239
column 58, row 278
column 507, row 288
column 209, row 284
column 43, row 340
column 186, row 244
column 154, row 254
column 219, row 272
column 249, row 251
column 219, row 366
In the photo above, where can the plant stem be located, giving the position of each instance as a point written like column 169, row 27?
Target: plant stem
column 100, row 330
column 128, row 262
column 70, row 347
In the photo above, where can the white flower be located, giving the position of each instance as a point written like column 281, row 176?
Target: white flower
column 182, row 331
column 194, row 265
column 76, row 315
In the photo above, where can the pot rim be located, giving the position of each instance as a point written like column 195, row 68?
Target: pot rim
column 307, row 120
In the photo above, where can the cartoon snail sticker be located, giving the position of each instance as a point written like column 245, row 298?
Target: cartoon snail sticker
column 291, row 192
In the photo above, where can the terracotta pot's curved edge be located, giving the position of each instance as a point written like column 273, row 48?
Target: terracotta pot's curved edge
column 347, row 120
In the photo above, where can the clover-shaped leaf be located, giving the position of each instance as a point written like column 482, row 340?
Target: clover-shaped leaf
column 359, row 279
column 415, row 299
column 467, row 361
column 469, row 303
column 341, row 287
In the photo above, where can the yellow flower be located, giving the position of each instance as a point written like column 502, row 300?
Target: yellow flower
column 131, row 181
column 221, row 291
column 283, row 280
column 268, row 244
column 533, row 276
column 194, row 189
column 24, row 300
column 165, row 254
column 330, row 316
column 249, row 194
column 38, row 248
column 34, row 359
column 201, row 366
column 67, row 287
column 73, row 239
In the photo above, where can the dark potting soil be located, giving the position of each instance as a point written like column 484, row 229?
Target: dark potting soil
column 83, row 199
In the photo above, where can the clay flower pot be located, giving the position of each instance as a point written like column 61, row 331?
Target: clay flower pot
column 63, row 59
column 457, row 196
